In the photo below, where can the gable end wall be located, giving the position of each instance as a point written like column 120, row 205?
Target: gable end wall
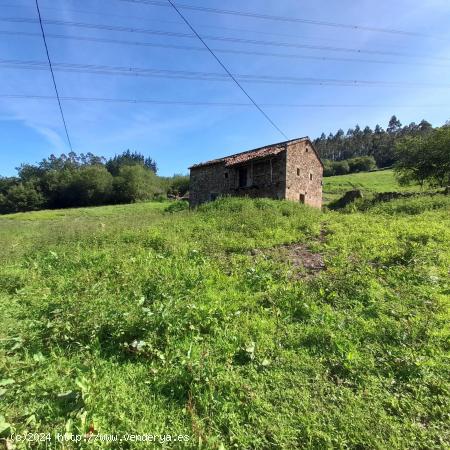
column 308, row 164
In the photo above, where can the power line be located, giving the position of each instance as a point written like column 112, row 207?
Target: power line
column 97, row 26
column 220, row 104
column 217, row 38
column 53, row 75
column 172, row 22
column 205, row 76
column 254, row 15
column 126, row 100
column 218, row 50
column 227, row 71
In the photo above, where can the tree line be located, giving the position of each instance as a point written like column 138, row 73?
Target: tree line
column 419, row 154
column 86, row 180
column 376, row 147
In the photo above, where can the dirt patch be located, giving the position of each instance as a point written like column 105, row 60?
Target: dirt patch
column 305, row 262
column 303, row 258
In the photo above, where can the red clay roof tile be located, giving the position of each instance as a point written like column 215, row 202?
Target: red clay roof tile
column 249, row 155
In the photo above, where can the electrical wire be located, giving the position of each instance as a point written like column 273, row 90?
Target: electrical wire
column 53, row 75
column 218, row 50
column 255, row 15
column 236, row 40
column 220, row 104
column 228, row 72
column 172, row 22
column 206, row 76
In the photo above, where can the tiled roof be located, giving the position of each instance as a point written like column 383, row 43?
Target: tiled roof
column 249, row 155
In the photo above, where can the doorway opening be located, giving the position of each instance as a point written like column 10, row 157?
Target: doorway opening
column 302, row 198
column 243, row 177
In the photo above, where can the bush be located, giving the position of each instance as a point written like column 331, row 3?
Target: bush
column 21, row 197
column 352, row 165
column 6, row 183
column 328, row 168
column 412, row 206
column 90, row 185
column 178, row 185
column 362, row 164
column 179, row 205
column 135, row 183
column 341, row 168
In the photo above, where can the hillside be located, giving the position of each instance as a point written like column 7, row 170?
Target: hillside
column 369, row 182
column 244, row 324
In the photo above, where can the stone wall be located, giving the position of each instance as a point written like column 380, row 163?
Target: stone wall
column 265, row 178
column 206, row 182
column 304, row 174
column 293, row 174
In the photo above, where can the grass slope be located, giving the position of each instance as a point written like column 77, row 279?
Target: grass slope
column 146, row 322
column 370, row 182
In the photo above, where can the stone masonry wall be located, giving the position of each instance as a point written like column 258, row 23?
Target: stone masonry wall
column 294, row 174
column 265, row 178
column 304, row 174
column 204, row 181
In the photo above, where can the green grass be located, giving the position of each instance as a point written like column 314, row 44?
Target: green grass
column 144, row 321
column 369, row 182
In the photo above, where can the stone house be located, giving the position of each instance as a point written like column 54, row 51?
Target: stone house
column 289, row 170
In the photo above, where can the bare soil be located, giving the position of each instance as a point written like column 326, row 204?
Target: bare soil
column 305, row 262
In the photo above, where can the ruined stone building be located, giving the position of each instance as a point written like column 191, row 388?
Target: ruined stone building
column 289, row 170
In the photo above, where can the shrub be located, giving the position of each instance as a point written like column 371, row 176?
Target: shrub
column 178, row 185
column 90, row 185
column 412, row 206
column 135, row 183
column 179, row 205
column 21, row 197
column 341, row 168
column 362, row 164
column 358, row 164
column 328, row 168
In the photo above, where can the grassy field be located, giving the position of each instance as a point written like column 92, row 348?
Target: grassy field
column 369, row 182
column 201, row 324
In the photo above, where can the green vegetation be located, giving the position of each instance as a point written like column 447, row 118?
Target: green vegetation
column 86, row 180
column 352, row 165
column 368, row 182
column 412, row 206
column 419, row 152
column 424, row 159
column 179, row 205
column 139, row 321
column 378, row 143
column 177, row 185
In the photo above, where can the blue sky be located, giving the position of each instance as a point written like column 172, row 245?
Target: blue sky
column 178, row 136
